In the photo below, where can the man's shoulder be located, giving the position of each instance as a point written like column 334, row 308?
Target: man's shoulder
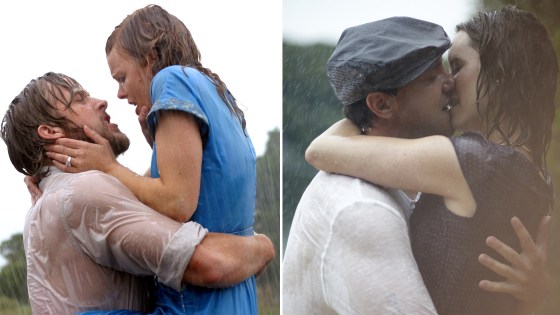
column 333, row 193
column 85, row 186
column 59, row 181
column 85, row 196
column 342, row 184
column 94, row 181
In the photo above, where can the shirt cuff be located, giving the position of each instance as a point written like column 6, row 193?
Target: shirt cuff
column 178, row 253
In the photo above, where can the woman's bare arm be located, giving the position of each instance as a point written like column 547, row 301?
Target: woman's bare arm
column 179, row 158
column 427, row 164
column 179, row 144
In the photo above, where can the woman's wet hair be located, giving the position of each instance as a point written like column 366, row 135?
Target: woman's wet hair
column 152, row 32
column 518, row 76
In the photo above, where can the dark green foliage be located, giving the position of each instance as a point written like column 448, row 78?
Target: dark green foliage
column 13, row 283
column 309, row 107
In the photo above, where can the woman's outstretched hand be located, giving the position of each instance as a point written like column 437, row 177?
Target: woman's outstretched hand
column 527, row 276
column 74, row 156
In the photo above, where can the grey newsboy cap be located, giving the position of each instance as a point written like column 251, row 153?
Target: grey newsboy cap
column 383, row 55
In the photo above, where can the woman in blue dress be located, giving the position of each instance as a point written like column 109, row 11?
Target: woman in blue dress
column 203, row 164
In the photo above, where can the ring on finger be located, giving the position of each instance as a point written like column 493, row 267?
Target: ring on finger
column 68, row 162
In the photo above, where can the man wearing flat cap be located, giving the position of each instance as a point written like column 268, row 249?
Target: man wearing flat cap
column 348, row 250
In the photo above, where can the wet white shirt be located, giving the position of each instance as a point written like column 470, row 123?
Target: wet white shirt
column 348, row 252
column 88, row 236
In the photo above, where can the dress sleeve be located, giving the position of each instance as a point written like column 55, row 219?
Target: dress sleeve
column 180, row 89
column 116, row 230
column 368, row 268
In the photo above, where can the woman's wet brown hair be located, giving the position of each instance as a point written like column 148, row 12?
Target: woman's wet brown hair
column 518, row 75
column 153, row 32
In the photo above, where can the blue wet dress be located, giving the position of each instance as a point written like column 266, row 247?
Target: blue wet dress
column 227, row 188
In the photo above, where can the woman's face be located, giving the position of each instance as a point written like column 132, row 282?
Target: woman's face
column 133, row 79
column 464, row 62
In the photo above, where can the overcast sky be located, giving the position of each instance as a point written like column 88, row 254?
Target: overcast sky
column 310, row 21
column 239, row 40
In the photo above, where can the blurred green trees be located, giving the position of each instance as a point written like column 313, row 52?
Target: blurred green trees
column 13, row 275
column 267, row 221
column 309, row 107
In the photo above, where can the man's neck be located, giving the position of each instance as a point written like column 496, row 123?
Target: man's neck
column 382, row 132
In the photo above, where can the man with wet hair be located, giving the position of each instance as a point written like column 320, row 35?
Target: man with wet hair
column 88, row 239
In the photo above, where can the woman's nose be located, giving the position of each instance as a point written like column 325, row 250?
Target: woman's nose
column 121, row 94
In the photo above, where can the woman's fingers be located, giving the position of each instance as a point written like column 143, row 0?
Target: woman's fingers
column 498, row 287
column 64, row 168
column 526, row 275
column 542, row 234
column 63, row 162
column 505, row 251
column 34, row 191
column 500, row 268
column 525, row 239
column 60, row 149
column 143, row 121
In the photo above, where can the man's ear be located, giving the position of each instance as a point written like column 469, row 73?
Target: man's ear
column 381, row 104
column 50, row 132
